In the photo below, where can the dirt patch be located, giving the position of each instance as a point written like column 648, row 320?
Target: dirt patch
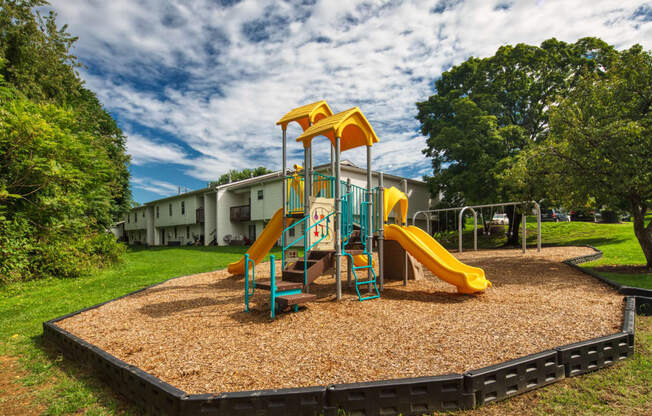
column 625, row 269
column 15, row 399
column 193, row 333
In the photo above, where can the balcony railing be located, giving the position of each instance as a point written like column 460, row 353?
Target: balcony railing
column 241, row 213
column 199, row 215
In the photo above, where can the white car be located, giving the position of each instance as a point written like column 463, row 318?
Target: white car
column 500, row 219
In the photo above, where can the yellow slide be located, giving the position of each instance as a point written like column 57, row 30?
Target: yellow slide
column 437, row 259
column 263, row 243
column 361, row 260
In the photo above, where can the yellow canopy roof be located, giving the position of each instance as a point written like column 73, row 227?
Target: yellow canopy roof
column 391, row 197
column 350, row 125
column 306, row 114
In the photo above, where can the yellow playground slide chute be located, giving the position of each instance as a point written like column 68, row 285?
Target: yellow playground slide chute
column 429, row 252
column 270, row 235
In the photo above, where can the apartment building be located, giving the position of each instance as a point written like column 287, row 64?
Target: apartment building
column 237, row 212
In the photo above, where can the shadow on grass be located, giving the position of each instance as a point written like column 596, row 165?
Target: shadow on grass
column 80, row 388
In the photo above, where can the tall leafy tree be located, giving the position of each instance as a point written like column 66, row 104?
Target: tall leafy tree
column 237, row 175
column 486, row 111
column 600, row 146
column 63, row 166
column 39, row 64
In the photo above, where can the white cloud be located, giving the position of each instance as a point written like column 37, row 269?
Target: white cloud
column 143, row 151
column 222, row 93
column 158, row 187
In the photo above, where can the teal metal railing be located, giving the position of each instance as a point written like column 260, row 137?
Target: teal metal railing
column 253, row 280
column 294, row 195
column 323, row 186
column 348, row 206
column 304, row 237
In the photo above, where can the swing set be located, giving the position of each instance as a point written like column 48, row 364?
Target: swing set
column 428, row 214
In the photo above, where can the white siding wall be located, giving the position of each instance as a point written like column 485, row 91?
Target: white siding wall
column 264, row 209
column 151, row 234
column 164, row 219
column 210, row 216
column 136, row 220
column 225, row 200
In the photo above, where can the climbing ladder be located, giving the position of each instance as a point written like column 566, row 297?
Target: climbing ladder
column 283, row 294
column 347, row 238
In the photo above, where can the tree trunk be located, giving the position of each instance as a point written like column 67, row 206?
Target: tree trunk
column 514, row 226
column 643, row 233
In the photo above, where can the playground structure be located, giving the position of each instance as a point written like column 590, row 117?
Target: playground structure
column 335, row 219
column 472, row 208
column 189, row 349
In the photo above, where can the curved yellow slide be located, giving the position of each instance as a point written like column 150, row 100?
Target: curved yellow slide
column 438, row 260
column 263, row 243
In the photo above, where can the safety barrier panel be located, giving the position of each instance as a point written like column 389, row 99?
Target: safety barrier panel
column 582, row 357
column 513, row 377
column 411, row 396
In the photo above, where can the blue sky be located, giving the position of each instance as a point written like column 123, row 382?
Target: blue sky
column 197, row 86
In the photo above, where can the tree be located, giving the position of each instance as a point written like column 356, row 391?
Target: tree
column 63, row 167
column 237, row 175
column 39, row 64
column 600, row 146
column 486, row 111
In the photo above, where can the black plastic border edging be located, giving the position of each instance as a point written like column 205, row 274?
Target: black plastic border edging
column 643, row 296
column 410, row 396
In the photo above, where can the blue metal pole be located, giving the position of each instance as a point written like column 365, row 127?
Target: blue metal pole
column 246, row 282
column 272, row 279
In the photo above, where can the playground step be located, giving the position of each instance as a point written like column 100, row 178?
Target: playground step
column 281, row 285
column 319, row 262
column 290, row 300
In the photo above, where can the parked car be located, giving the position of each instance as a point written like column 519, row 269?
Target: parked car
column 563, row 216
column 554, row 215
column 500, row 219
column 582, row 215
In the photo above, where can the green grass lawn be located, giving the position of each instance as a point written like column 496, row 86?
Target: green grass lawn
column 617, row 242
column 54, row 385
column 24, row 306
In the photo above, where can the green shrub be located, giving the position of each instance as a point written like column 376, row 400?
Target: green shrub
column 16, row 250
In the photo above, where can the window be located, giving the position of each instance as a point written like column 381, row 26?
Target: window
column 187, row 232
column 143, row 213
column 183, row 208
column 157, row 211
column 170, row 210
column 128, row 220
column 260, row 194
column 291, row 232
column 175, row 231
column 135, row 217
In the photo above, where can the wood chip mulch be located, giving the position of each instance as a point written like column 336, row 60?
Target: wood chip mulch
column 192, row 332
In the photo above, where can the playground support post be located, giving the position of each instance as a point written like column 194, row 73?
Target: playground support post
column 523, row 220
column 332, row 160
column 338, row 221
column 349, row 263
column 538, row 207
column 475, row 228
column 284, row 193
column 405, row 258
column 381, row 230
column 370, row 231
